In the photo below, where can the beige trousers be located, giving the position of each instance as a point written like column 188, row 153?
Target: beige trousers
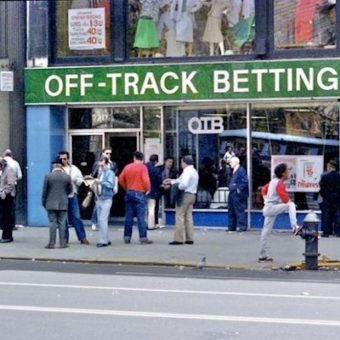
column 184, row 222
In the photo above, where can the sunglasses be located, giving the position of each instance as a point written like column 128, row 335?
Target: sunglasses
column 63, row 158
column 108, row 153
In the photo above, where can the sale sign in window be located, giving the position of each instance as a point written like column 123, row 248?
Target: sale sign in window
column 86, row 28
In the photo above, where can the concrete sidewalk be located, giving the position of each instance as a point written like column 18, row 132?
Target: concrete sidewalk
column 230, row 250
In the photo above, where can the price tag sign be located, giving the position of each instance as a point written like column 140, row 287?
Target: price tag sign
column 86, row 28
column 6, row 81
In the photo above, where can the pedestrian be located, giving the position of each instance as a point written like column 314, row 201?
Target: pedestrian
column 73, row 218
column 187, row 183
column 155, row 181
column 107, row 151
column 237, row 198
column 135, row 180
column 7, row 194
column 330, row 193
column 104, row 193
column 57, row 186
column 12, row 163
column 276, row 202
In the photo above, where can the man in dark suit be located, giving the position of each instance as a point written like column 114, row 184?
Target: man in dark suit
column 57, row 187
column 237, row 199
column 330, row 193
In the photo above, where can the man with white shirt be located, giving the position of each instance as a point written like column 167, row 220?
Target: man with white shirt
column 187, row 183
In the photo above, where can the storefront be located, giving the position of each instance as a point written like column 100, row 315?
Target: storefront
column 259, row 110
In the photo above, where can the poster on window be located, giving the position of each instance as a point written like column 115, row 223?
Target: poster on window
column 304, row 172
column 86, row 28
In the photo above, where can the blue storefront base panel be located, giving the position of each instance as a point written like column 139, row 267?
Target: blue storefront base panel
column 219, row 219
column 45, row 137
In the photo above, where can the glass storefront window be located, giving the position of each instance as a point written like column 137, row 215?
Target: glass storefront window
column 104, row 118
column 82, row 28
column 207, row 134
column 177, row 28
column 152, row 132
column 304, row 24
column 296, row 130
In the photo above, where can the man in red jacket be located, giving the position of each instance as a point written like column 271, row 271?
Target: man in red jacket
column 135, row 180
column 276, row 202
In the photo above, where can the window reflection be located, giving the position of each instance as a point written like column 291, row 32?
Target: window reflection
column 313, row 23
column 176, row 28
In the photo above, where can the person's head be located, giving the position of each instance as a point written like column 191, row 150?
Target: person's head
column 281, row 171
column 332, row 165
column 223, row 163
column 56, row 164
column 103, row 161
column 3, row 163
column 138, row 156
column 187, row 160
column 169, row 162
column 8, row 153
column 153, row 158
column 64, row 157
column 107, row 152
column 234, row 162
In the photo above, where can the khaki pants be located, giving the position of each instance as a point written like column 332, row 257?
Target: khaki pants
column 184, row 222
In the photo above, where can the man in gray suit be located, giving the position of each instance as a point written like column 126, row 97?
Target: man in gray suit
column 57, row 187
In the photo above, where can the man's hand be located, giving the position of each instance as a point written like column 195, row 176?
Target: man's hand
column 2, row 195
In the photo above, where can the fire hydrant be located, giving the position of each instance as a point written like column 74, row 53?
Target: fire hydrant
column 309, row 232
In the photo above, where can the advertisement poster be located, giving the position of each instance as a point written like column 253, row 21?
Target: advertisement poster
column 86, row 28
column 304, row 172
column 152, row 146
column 6, row 81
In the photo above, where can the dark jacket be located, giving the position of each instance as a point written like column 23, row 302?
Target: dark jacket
column 238, row 186
column 57, row 187
column 155, row 180
column 330, row 187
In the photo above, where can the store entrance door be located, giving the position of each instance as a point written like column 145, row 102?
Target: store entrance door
column 123, row 146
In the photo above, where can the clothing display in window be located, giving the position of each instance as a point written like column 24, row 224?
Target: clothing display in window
column 146, row 33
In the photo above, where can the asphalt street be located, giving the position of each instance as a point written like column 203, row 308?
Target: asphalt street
column 49, row 300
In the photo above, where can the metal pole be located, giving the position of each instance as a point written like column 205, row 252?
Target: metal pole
column 249, row 163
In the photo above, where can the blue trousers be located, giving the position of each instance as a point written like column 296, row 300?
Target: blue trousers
column 135, row 203
column 74, row 219
column 236, row 212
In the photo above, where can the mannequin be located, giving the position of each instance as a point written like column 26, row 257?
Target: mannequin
column 167, row 29
column 146, row 38
column 183, row 12
column 212, row 33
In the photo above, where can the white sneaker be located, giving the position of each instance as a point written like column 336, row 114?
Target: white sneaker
column 94, row 227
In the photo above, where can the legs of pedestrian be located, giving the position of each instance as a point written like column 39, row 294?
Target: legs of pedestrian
column 75, row 220
column 8, row 219
column 151, row 213
column 140, row 211
column 52, row 225
column 231, row 215
column 189, row 201
column 103, row 212
column 61, row 222
column 129, row 214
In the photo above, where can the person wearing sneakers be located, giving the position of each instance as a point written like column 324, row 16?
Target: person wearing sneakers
column 276, row 202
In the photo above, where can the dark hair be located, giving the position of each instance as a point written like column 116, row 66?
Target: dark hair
column 188, row 160
column 280, row 170
column 153, row 158
column 63, row 152
column 138, row 155
column 8, row 152
column 104, row 158
column 56, row 161
column 168, row 158
column 108, row 148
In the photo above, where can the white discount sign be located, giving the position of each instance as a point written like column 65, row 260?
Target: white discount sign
column 304, row 172
column 86, row 28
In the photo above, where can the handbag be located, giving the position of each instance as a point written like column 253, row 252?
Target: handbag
column 87, row 200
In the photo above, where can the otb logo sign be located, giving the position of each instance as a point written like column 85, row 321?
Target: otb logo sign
column 204, row 125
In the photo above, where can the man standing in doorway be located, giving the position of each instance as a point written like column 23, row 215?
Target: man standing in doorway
column 135, row 180
column 237, row 198
column 187, row 183
column 73, row 203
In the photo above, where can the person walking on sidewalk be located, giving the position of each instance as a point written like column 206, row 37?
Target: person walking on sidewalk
column 276, row 202
column 330, row 193
column 237, row 198
column 73, row 203
column 7, row 194
column 104, row 193
column 135, row 180
column 188, row 184
column 57, row 187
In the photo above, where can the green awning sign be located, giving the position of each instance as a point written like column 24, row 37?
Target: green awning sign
column 184, row 82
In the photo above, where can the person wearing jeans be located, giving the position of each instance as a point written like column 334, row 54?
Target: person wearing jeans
column 104, row 193
column 135, row 180
column 74, row 218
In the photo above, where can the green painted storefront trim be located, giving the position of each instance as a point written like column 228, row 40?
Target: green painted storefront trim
column 132, row 83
